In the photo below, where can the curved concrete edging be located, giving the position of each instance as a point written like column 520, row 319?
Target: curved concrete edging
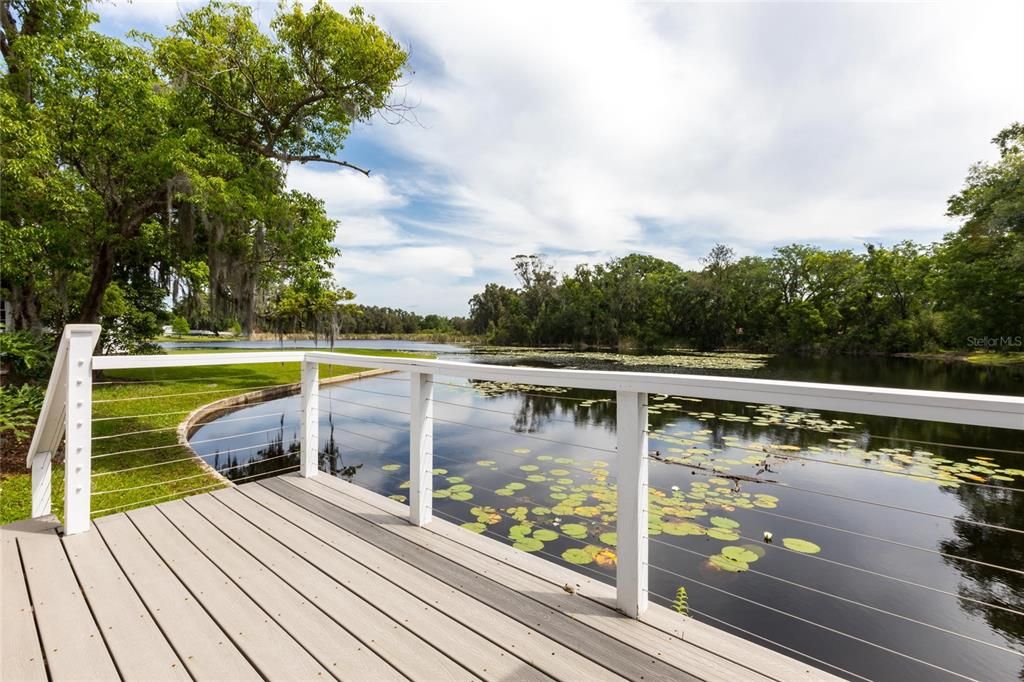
column 203, row 414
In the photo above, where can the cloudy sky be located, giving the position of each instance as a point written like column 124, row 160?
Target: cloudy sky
column 585, row 131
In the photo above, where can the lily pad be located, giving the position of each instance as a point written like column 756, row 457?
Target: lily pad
column 577, row 556
column 724, row 534
column 575, row 530
column 737, row 553
column 475, row 527
column 798, row 545
column 723, row 522
column 726, row 564
column 611, row 539
column 391, row 467
column 545, row 535
column 528, row 545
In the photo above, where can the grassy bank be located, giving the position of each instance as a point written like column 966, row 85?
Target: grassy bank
column 983, row 358
column 149, row 404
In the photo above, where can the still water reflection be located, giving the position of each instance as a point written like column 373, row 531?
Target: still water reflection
column 537, row 469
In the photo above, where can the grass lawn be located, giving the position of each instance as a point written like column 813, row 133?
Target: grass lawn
column 160, row 399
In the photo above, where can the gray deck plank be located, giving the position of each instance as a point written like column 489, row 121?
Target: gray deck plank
column 597, row 646
column 381, row 634
column 266, row 644
column 480, row 635
column 71, row 641
column 666, row 626
column 17, row 623
column 502, row 564
column 345, row 656
column 205, row 649
column 523, row 639
column 139, row 649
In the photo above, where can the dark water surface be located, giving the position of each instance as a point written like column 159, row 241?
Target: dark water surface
column 537, row 468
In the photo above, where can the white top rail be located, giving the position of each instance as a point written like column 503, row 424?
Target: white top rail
column 50, row 426
column 957, row 408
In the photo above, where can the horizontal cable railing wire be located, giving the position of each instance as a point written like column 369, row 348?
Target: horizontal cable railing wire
column 139, row 503
column 815, row 624
column 789, row 455
column 525, row 457
column 976, row 448
column 372, row 407
column 488, row 531
column 692, row 611
column 501, row 412
column 190, row 443
column 530, row 436
column 867, row 571
column 557, row 396
column 140, row 416
column 396, row 427
column 886, row 540
column 187, row 478
column 166, row 396
column 883, row 505
column 853, row 602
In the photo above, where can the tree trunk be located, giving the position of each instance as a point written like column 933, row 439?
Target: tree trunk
column 102, row 275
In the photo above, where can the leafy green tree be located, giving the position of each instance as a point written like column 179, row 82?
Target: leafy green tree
column 133, row 173
column 180, row 326
column 979, row 280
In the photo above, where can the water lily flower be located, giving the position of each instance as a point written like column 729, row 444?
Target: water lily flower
column 767, row 536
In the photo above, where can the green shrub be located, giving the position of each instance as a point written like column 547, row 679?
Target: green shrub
column 19, row 409
column 26, row 355
column 180, row 326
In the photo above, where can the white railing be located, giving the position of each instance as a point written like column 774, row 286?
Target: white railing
column 68, row 403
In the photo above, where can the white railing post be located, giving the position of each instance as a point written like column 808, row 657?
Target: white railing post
column 42, row 487
column 309, row 458
column 421, row 447
column 78, row 432
column 631, row 568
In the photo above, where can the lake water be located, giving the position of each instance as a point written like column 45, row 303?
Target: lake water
column 846, row 581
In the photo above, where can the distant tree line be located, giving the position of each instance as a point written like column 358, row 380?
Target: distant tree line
column 368, row 319
column 965, row 291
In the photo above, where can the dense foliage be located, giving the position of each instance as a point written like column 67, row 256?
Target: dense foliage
column 965, row 291
column 365, row 319
column 142, row 173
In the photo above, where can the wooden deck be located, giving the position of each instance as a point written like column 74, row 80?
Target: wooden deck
column 293, row 578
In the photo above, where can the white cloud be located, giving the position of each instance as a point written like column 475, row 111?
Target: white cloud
column 403, row 261
column 587, row 132
column 765, row 123
column 345, row 192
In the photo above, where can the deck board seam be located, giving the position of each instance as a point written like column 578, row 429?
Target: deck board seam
column 197, row 600
column 385, row 577
column 260, row 606
column 584, row 652
column 35, row 616
column 314, row 602
column 575, row 622
column 146, row 606
column 92, row 612
column 583, row 594
column 383, row 503
column 530, row 626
